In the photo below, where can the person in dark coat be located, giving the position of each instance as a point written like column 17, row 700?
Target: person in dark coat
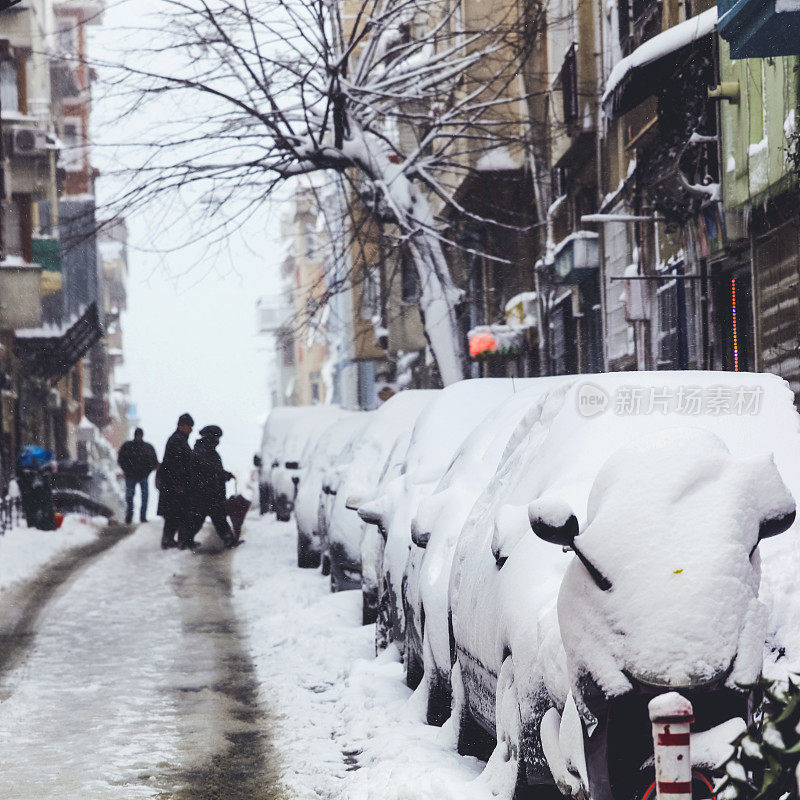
column 173, row 481
column 208, row 487
column 137, row 459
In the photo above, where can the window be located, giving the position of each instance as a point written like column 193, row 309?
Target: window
column 17, row 227
column 618, row 256
column 287, row 350
column 677, row 343
column 409, row 280
column 646, row 18
column 667, row 325
column 562, row 340
column 569, row 86
column 72, row 151
column 66, row 36
column 624, row 24
column 9, row 86
column 559, row 180
column 370, row 294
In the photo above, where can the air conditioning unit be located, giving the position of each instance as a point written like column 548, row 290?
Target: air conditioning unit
column 27, row 141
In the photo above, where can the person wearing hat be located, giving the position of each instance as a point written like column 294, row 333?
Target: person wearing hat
column 173, row 481
column 208, row 488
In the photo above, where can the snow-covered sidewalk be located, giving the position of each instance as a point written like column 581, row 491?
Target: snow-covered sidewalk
column 24, row 551
column 349, row 727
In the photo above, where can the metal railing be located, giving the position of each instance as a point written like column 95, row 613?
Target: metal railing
column 10, row 513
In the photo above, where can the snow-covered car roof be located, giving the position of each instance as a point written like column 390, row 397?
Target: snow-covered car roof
column 491, row 438
column 590, row 418
column 320, row 453
column 288, row 429
column 450, row 418
column 372, row 446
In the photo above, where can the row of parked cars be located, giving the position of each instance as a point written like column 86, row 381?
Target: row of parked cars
column 549, row 554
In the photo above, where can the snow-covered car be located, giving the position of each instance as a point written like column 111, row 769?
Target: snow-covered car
column 434, row 532
column 437, row 435
column 359, row 480
column 331, row 479
column 277, row 426
column 320, row 456
column 304, row 432
column 372, row 541
column 648, row 495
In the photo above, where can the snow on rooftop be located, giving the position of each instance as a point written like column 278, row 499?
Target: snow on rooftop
column 575, row 235
column 49, row 331
column 522, row 297
column 497, row 160
column 663, row 44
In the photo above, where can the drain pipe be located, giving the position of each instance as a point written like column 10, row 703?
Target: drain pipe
column 671, row 715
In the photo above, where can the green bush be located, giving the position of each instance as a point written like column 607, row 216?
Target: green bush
column 766, row 755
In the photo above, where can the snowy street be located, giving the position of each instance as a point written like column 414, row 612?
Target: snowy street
column 136, row 686
column 217, row 674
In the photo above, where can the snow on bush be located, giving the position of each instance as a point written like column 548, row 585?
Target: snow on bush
column 766, row 757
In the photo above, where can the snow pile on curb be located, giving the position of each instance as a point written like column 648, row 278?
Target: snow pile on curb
column 345, row 723
column 23, row 551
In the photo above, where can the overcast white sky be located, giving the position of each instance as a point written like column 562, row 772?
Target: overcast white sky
column 189, row 332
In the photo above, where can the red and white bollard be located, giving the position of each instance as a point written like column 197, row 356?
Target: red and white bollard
column 671, row 715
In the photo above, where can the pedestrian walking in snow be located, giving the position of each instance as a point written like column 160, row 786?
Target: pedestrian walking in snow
column 137, row 459
column 208, row 487
column 173, row 481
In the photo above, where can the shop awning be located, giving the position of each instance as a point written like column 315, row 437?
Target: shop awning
column 51, row 351
column 760, row 28
column 644, row 71
column 504, row 340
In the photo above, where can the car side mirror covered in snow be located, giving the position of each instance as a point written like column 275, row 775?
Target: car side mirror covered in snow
column 373, row 514
column 419, row 535
column 775, row 525
column 510, row 527
column 561, row 532
column 553, row 522
column 353, row 502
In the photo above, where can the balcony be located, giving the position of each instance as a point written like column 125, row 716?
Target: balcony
column 760, row 28
column 46, row 251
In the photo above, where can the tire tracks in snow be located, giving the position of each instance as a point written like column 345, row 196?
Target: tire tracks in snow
column 23, row 604
column 217, row 687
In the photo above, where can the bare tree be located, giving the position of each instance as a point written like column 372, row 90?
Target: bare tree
column 405, row 98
